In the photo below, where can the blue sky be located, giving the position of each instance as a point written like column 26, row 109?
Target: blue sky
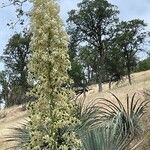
column 129, row 9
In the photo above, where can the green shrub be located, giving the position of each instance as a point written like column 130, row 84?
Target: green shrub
column 143, row 65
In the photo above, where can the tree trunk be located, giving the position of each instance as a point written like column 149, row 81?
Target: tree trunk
column 101, row 58
column 100, row 88
column 129, row 70
column 88, row 73
column 109, row 84
column 100, row 71
column 129, row 77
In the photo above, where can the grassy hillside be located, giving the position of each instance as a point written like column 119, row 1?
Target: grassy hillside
column 13, row 117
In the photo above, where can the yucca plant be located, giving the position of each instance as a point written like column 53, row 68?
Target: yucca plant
column 129, row 114
column 111, row 125
column 104, row 125
column 104, row 138
column 87, row 114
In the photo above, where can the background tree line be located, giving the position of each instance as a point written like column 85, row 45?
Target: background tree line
column 101, row 48
column 14, row 78
column 105, row 46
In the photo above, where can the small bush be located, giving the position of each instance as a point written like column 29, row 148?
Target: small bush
column 143, row 65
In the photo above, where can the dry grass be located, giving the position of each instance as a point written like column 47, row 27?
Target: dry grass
column 14, row 117
column 141, row 81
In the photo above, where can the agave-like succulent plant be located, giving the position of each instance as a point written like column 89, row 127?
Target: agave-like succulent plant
column 106, row 137
column 113, row 126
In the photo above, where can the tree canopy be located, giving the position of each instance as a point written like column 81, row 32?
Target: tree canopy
column 15, row 57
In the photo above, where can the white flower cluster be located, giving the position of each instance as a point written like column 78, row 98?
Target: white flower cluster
column 48, row 68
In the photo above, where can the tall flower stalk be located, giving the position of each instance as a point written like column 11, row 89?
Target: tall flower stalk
column 51, row 114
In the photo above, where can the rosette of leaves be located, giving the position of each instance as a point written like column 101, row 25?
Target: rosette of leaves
column 111, row 125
